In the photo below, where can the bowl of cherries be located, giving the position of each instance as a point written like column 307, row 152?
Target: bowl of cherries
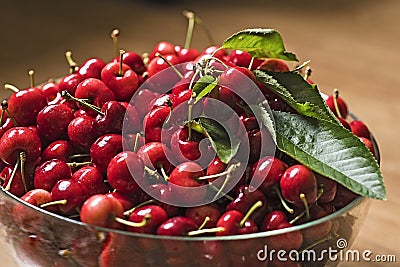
column 227, row 156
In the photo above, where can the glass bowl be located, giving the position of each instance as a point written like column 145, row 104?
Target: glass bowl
column 36, row 237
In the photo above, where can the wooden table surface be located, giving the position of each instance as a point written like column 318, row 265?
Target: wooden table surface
column 352, row 45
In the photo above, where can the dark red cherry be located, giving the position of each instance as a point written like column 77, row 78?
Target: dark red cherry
column 104, row 149
column 243, row 59
column 185, row 187
column 342, row 106
column 82, row 133
column 92, row 179
column 163, row 48
column 329, row 188
column 158, row 64
column 199, row 214
column 91, row 68
column 360, row 129
column 157, row 215
column 125, row 171
column 153, row 123
column 71, row 192
column 16, row 185
column 112, row 118
column 17, row 140
column 177, row 226
column 121, row 79
column 50, row 90
column 156, row 155
column 70, row 82
column 275, row 65
column 134, row 61
column 101, row 210
column 49, row 173
column 25, row 105
column 291, row 240
column 266, row 172
column 52, row 121
column 273, row 220
column 299, row 186
column 60, row 149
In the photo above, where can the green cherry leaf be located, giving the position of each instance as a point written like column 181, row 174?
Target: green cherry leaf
column 260, row 43
column 330, row 150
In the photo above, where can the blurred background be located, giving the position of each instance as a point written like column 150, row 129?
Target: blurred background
column 352, row 45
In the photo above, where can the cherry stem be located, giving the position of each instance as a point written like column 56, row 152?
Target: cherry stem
column 191, row 23
column 22, row 158
column 206, row 231
column 130, row 211
column 73, row 66
column 199, row 22
column 11, row 87
column 301, row 66
column 306, row 206
column 8, row 186
column 216, row 189
column 150, row 171
column 335, row 102
column 55, row 202
column 82, row 102
column 169, row 64
column 146, row 59
column 308, row 73
column 164, row 174
column 251, row 63
column 250, row 212
column 230, row 170
column 190, row 111
column 78, row 156
column 316, row 243
column 31, row 74
column 114, row 36
column 206, row 220
column 135, row 145
column 144, row 222
column 121, row 57
column 284, row 204
column 4, row 108
column 320, row 192
column 78, row 164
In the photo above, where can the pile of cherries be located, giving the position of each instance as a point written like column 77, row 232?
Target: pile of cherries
column 94, row 147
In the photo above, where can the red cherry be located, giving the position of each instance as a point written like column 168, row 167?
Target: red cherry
column 82, row 132
column 141, row 101
column 92, row 179
column 299, row 186
column 60, row 149
column 112, row 118
column 95, row 91
column 229, row 223
column 104, row 149
column 158, row 64
column 122, row 81
column 127, row 201
column 185, row 188
column 156, row 214
column 273, row 220
column 153, row 123
column 101, row 210
column 329, row 188
column 53, row 120
column 341, row 105
column 50, row 90
column 5, row 126
column 163, row 48
column 25, row 105
column 215, row 167
column 49, row 173
column 91, row 68
column 124, row 172
column 243, row 59
column 275, row 65
column 70, row 82
column 360, row 129
column 17, row 186
column 17, row 140
column 156, row 155
column 176, row 226
column 344, row 123
column 200, row 213
column 134, row 61
column 189, row 54
column 267, row 171
column 367, row 142
column 70, row 191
